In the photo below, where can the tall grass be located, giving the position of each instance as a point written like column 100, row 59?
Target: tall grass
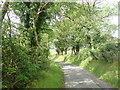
column 105, row 71
column 53, row 78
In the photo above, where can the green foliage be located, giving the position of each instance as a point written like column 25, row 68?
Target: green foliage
column 53, row 78
column 25, row 46
column 83, row 25
column 109, row 52
column 68, row 25
column 105, row 71
column 85, row 53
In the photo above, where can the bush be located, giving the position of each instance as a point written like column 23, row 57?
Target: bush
column 94, row 54
column 85, row 53
column 21, row 64
column 108, row 52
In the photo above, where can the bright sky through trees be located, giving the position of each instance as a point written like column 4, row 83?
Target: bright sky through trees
column 114, row 19
column 111, row 3
column 30, row 29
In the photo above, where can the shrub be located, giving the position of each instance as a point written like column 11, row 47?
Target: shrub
column 85, row 53
column 21, row 64
column 108, row 52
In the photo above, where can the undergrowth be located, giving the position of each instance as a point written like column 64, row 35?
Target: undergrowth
column 105, row 71
column 53, row 78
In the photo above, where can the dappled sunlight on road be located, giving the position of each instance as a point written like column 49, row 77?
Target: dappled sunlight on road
column 77, row 77
column 69, row 67
column 81, row 84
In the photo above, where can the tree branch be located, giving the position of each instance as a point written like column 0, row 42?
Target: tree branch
column 68, row 17
column 94, row 3
column 3, row 10
column 41, row 8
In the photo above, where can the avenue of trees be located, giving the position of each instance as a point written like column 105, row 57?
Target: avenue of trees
column 87, row 26
column 29, row 28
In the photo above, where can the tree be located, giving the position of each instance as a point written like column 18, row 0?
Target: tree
column 25, row 44
column 86, row 27
column 3, row 10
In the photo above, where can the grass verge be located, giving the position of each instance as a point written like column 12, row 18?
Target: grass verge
column 105, row 71
column 53, row 78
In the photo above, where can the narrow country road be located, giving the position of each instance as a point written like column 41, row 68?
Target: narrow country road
column 76, row 77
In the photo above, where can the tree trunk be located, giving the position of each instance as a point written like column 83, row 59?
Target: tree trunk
column 3, row 11
column 65, row 50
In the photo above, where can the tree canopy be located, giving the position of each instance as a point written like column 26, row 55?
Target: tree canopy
column 30, row 28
